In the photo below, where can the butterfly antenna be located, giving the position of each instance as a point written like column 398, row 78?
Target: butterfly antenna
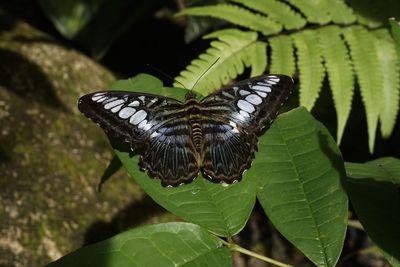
column 194, row 85
column 165, row 74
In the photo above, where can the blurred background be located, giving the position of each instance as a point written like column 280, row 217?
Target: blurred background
column 52, row 158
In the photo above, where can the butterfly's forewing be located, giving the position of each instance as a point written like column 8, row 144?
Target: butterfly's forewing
column 252, row 103
column 237, row 114
column 132, row 116
column 150, row 122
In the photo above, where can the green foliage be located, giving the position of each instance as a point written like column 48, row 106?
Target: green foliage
column 168, row 244
column 373, row 190
column 302, row 184
column 340, row 73
column 296, row 175
column 229, row 55
column 348, row 49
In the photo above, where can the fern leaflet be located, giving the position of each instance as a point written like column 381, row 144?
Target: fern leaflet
column 282, row 55
column 362, row 43
column 278, row 11
column 389, row 66
column 313, row 10
column 340, row 73
column 309, row 63
column 236, row 15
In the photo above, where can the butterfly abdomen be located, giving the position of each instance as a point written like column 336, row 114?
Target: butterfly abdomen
column 194, row 118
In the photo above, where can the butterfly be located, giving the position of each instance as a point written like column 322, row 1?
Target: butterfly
column 216, row 135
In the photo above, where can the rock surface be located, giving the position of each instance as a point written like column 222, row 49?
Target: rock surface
column 51, row 157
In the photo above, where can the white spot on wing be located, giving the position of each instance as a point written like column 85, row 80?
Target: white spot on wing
column 113, row 103
column 138, row 117
column 245, row 106
column 142, row 98
column 234, row 125
column 242, row 115
column 142, row 124
column 261, row 88
column 116, row 109
column 244, row 92
column 97, row 96
column 126, row 112
column 134, row 104
column 147, row 127
column 155, row 134
column 274, row 79
column 253, row 99
column 262, row 94
column 101, row 99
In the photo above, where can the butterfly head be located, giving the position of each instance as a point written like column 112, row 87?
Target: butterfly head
column 190, row 95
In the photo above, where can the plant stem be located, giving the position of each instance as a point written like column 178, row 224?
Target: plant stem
column 235, row 247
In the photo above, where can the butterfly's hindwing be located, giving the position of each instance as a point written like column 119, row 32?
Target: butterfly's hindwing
column 171, row 154
column 227, row 150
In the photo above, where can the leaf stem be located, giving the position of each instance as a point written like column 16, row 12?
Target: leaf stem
column 235, row 247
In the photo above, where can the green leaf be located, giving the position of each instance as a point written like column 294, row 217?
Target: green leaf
column 340, row 73
column 222, row 210
column 224, row 60
column 282, row 55
column 388, row 60
column 373, row 191
column 314, row 11
column 301, row 189
column 168, row 244
column 395, row 30
column 339, row 11
column 236, row 15
column 366, row 64
column 310, row 66
column 278, row 11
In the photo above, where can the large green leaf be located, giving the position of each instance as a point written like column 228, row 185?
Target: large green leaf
column 169, row 244
column 222, row 210
column 301, row 189
column 373, row 191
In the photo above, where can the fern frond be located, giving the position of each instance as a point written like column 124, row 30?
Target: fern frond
column 282, row 55
column 314, row 11
column 365, row 60
column 234, row 49
column 389, row 66
column 278, row 11
column 340, row 73
column 309, row 64
column 339, row 11
column 236, row 15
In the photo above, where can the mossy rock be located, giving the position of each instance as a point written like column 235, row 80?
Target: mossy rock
column 51, row 157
